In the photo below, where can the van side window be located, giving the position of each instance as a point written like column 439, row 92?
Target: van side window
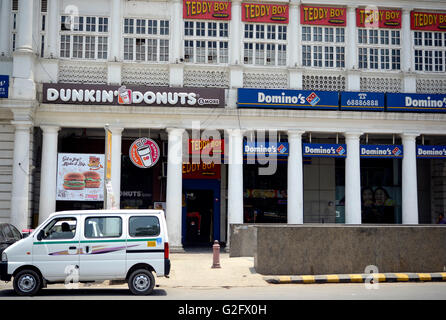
column 60, row 228
column 144, row 226
column 103, row 227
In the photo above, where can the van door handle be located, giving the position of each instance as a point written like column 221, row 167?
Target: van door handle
column 72, row 248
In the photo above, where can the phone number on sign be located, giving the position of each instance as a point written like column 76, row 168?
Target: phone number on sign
column 369, row 103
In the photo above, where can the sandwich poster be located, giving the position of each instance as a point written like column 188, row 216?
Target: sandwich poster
column 80, row 177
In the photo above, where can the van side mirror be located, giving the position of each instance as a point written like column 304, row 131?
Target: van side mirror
column 40, row 235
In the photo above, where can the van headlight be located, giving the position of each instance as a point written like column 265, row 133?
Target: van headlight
column 4, row 257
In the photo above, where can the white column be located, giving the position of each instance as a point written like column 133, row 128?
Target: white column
column 409, row 179
column 53, row 28
column 5, row 34
column 406, row 41
column 177, row 23
column 116, row 152
column 25, row 25
column 115, row 38
column 48, row 173
column 352, row 179
column 174, row 188
column 20, row 175
column 293, row 26
column 235, row 177
column 235, row 42
column 350, row 57
column 295, row 179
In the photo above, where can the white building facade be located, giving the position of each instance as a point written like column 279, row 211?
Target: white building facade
column 272, row 47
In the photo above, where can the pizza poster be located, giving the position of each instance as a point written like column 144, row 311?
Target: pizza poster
column 80, row 177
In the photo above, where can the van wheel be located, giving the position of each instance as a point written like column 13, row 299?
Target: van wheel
column 141, row 282
column 27, row 283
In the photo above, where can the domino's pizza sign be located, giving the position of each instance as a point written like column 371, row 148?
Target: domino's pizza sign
column 4, row 86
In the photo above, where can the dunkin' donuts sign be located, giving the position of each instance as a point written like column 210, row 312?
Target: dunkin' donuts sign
column 87, row 94
column 144, row 153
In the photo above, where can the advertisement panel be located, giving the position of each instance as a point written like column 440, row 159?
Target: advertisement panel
column 326, row 150
column 206, row 147
column 201, row 170
column 144, row 153
column 431, row 152
column 378, row 18
column 324, row 16
column 288, row 99
column 4, row 86
column 361, row 101
column 280, row 149
column 269, row 13
column 381, row 151
column 416, row 102
column 91, row 94
column 428, row 21
column 80, row 177
column 208, row 10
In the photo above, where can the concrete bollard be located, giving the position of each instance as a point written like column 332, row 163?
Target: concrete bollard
column 216, row 255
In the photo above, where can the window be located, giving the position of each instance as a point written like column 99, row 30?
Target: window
column 43, row 14
column 84, row 37
column 103, row 227
column 206, row 42
column 144, row 226
column 265, row 44
column 60, row 228
column 377, row 48
column 323, row 47
column 430, row 51
column 146, row 40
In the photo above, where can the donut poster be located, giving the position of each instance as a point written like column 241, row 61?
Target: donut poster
column 80, row 177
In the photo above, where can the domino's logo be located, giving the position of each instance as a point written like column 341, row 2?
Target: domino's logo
column 340, row 150
column 282, row 149
column 396, row 151
column 313, row 99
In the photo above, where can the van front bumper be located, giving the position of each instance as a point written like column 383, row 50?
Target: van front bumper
column 4, row 276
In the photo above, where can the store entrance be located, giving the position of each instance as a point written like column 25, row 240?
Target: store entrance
column 199, row 212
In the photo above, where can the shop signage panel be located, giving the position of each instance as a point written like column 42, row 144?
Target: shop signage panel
column 326, row 150
column 90, row 94
column 288, row 99
column 366, row 18
column 266, row 13
column 416, row 102
column 80, row 177
column 325, row 16
column 381, row 151
column 265, row 149
column 431, row 152
column 201, row 171
column 4, row 86
column 208, row 10
column 428, row 21
column 206, row 147
column 144, row 153
column 362, row 101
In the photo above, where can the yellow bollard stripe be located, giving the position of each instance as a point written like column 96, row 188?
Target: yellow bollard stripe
column 402, row 277
column 356, row 278
column 424, row 276
column 443, row 274
column 308, row 279
column 332, row 278
column 284, row 279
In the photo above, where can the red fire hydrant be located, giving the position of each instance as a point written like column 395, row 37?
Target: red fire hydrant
column 216, row 255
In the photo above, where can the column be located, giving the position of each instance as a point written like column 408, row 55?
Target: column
column 235, row 42
column 176, row 68
column 115, row 36
column 352, row 179
column 116, row 163
column 48, row 173
column 409, row 179
column 294, row 30
column 20, row 175
column 409, row 80
column 25, row 25
column 295, row 179
column 53, row 29
column 350, row 55
column 5, row 8
column 235, row 177
column 174, row 188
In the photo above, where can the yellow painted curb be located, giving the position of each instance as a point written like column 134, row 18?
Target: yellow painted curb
column 402, row 277
column 332, row 278
column 308, row 279
column 284, row 279
column 424, row 276
column 355, row 277
column 443, row 274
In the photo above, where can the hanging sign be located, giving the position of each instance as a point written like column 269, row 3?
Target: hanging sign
column 372, row 101
column 265, row 13
column 208, row 10
column 144, row 153
column 325, row 16
column 326, row 150
column 289, row 99
column 366, row 18
column 428, row 21
column 206, row 147
column 431, row 152
column 416, row 102
column 4, row 86
column 381, row 151
column 201, row 170
column 265, row 149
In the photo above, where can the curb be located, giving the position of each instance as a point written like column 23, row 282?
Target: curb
column 358, row 278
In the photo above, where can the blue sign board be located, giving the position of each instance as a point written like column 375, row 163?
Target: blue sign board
column 431, row 152
column 288, row 99
column 416, row 102
column 324, row 150
column 372, row 101
column 265, row 149
column 4, row 86
column 381, row 151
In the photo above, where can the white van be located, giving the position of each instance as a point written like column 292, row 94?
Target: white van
column 90, row 245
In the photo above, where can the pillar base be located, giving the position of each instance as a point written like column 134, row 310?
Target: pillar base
column 176, row 249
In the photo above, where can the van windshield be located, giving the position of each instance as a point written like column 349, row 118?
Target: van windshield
column 60, row 228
